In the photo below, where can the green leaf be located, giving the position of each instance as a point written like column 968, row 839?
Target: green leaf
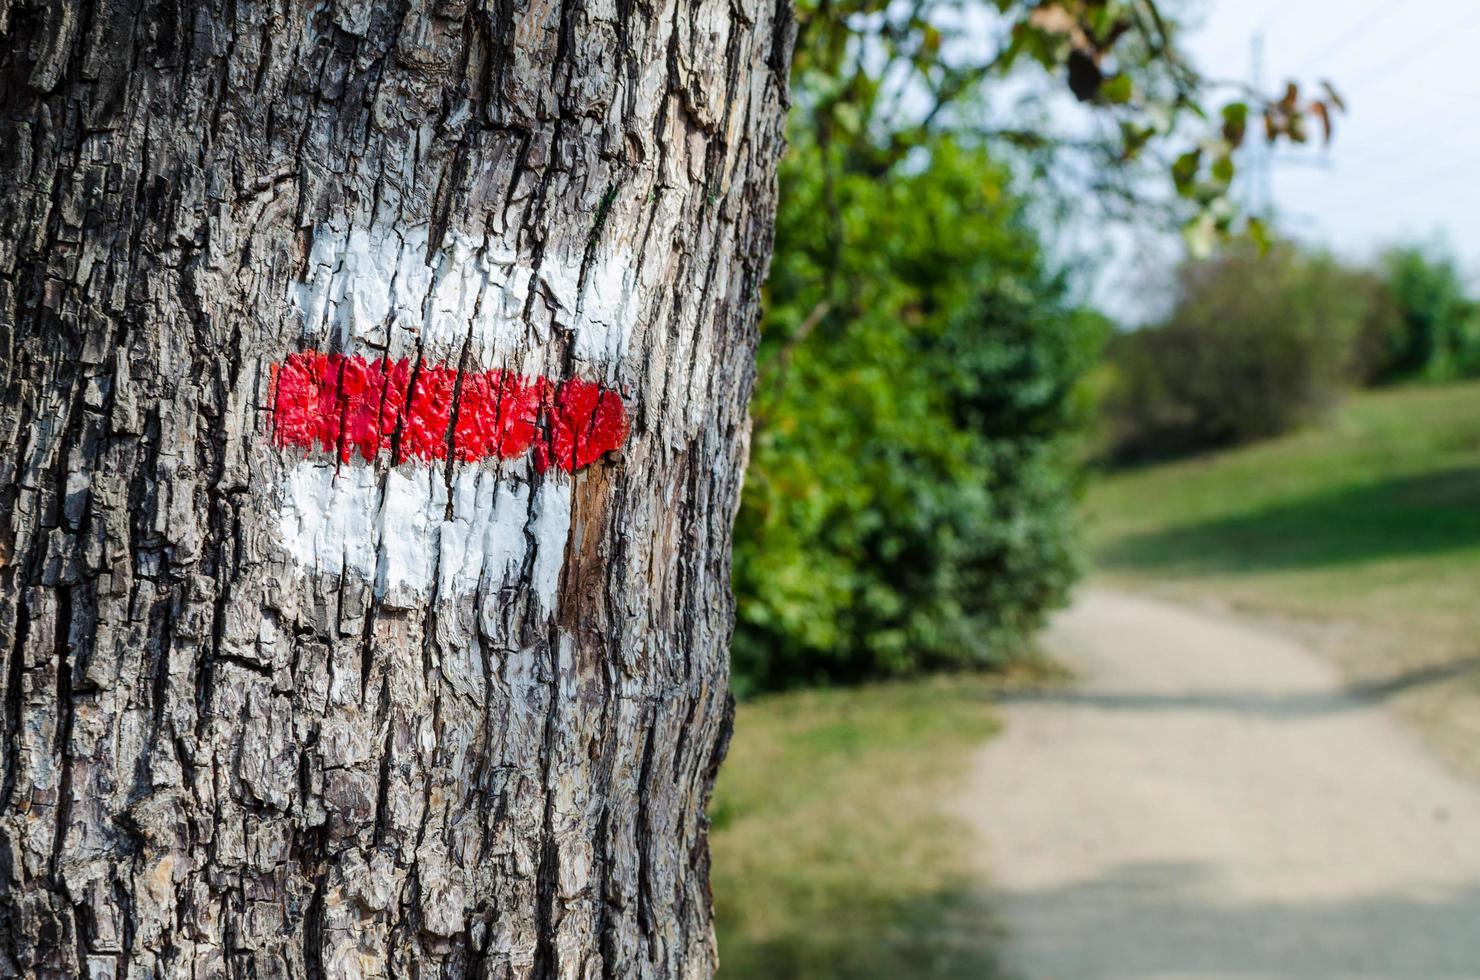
column 1184, row 171
column 848, row 117
column 1223, row 169
column 1235, row 123
column 1118, row 89
column 1134, row 139
column 1259, row 235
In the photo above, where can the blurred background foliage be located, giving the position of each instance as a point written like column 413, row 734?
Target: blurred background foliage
column 1434, row 332
column 928, row 370
column 1259, row 343
column 921, row 389
column 1255, row 345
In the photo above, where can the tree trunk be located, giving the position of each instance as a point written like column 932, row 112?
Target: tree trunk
column 374, row 386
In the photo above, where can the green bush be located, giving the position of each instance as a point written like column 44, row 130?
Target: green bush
column 1256, row 345
column 909, row 501
column 1432, row 332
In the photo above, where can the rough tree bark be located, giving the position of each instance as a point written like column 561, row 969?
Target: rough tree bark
column 316, row 694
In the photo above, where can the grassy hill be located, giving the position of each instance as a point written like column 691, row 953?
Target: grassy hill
column 1363, row 533
column 1375, row 517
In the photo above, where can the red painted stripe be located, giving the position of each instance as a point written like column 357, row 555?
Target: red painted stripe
column 588, row 420
column 351, row 406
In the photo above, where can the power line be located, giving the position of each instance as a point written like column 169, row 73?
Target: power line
column 1387, row 209
column 1374, row 16
column 1392, row 66
column 1401, row 182
column 1401, row 151
column 1400, row 186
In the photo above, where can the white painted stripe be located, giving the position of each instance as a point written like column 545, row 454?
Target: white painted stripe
column 550, row 528
column 375, row 288
column 393, row 526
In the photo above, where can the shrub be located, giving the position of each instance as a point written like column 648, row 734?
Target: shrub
column 909, row 501
column 1256, row 345
column 1433, row 331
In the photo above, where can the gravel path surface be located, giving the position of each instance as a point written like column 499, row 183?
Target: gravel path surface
column 1206, row 801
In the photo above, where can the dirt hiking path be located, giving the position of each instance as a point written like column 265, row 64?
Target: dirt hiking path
column 1205, row 801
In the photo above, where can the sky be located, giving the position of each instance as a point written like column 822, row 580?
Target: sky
column 1404, row 163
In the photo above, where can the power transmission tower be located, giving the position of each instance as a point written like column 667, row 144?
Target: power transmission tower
column 1259, row 187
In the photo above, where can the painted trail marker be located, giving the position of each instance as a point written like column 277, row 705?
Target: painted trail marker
column 414, row 475
column 406, row 526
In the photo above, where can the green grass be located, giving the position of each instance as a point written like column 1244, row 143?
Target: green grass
column 1373, row 518
column 834, row 852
